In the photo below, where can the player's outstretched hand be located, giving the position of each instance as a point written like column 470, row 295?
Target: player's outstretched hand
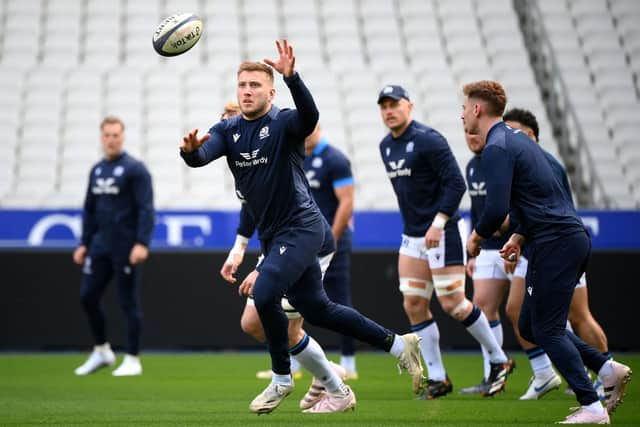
column 287, row 61
column 246, row 287
column 191, row 142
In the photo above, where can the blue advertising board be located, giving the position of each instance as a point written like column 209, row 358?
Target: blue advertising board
column 215, row 230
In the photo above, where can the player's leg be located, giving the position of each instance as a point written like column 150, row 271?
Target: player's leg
column 96, row 274
column 447, row 267
column 337, row 284
column 417, row 288
column 585, row 326
column 287, row 257
column 490, row 285
column 251, row 325
column 554, row 268
column 310, row 298
column 128, row 280
column 544, row 378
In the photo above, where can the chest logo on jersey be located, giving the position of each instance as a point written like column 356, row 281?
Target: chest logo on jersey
column 398, row 169
column 316, row 162
column 409, row 148
column 236, row 137
column 105, row 186
column 311, row 177
column 478, row 189
column 264, row 132
column 251, row 159
column 119, row 170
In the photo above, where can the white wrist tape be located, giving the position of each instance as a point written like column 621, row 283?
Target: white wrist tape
column 439, row 222
column 238, row 248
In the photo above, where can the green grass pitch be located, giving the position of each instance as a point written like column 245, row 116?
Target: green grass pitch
column 216, row 388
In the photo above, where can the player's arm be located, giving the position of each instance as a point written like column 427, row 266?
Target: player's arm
column 245, row 230
column 198, row 151
column 306, row 115
column 343, row 188
column 498, row 168
column 89, row 225
column 143, row 199
column 443, row 162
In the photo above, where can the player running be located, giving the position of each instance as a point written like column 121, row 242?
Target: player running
column 428, row 184
column 265, row 149
column 520, row 182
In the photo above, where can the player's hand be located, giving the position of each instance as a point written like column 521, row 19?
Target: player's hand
column 246, row 287
column 139, row 253
column 512, row 249
column 191, row 142
column 473, row 244
column 80, row 254
column 287, row 61
column 471, row 263
column 231, row 265
column 433, row 237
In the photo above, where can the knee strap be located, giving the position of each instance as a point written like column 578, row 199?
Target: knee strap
column 412, row 286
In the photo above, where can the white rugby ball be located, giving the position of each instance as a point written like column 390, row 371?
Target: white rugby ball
column 177, row 34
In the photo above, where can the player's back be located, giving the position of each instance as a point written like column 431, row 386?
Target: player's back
column 537, row 197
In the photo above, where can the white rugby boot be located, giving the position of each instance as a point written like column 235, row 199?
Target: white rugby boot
column 583, row 415
column 410, row 360
column 615, row 384
column 100, row 357
column 330, row 402
column 540, row 385
column 270, row 398
column 317, row 390
column 130, row 366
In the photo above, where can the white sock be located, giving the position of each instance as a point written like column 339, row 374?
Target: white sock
column 295, row 365
column 313, row 359
column 102, row 347
column 281, row 379
column 398, row 346
column 595, row 407
column 496, row 329
column 348, row 363
column 430, row 347
column 481, row 331
column 606, row 369
column 541, row 366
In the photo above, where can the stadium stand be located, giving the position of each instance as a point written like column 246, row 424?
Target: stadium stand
column 64, row 64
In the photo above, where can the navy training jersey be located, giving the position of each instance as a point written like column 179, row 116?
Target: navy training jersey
column 425, row 176
column 327, row 169
column 118, row 208
column 265, row 156
column 477, row 188
column 520, row 177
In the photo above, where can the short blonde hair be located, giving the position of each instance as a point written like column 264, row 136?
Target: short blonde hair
column 111, row 120
column 256, row 66
column 489, row 91
column 231, row 109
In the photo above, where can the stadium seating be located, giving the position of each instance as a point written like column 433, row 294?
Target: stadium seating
column 64, row 64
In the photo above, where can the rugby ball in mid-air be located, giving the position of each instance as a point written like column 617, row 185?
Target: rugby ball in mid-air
column 177, row 34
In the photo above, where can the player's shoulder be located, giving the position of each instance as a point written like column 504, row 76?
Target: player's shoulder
column 133, row 164
column 227, row 125
column 425, row 136
column 334, row 153
column 473, row 163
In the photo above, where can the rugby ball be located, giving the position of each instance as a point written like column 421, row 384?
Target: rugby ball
column 177, row 34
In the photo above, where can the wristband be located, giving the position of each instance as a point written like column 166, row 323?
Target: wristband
column 238, row 248
column 439, row 222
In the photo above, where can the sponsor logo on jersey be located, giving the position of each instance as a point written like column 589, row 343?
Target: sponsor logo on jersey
column 236, row 137
column 283, row 249
column 251, row 159
column 105, row 186
column 264, row 132
column 530, row 290
column 478, row 189
column 311, row 178
column 397, row 169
